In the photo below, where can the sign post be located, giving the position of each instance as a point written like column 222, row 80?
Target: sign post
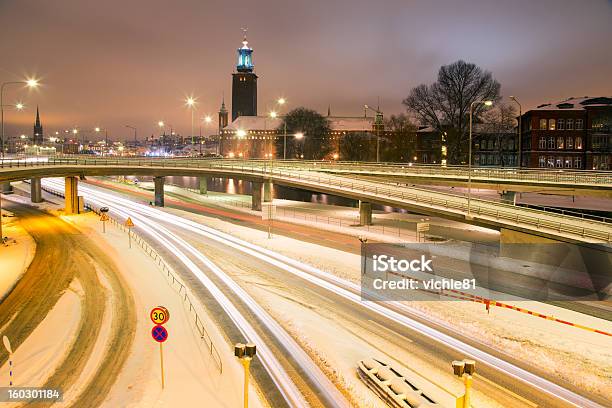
column 104, row 218
column 129, row 224
column 160, row 315
column 268, row 212
column 422, row 228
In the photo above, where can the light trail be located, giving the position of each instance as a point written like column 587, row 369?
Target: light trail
column 281, row 378
column 351, row 291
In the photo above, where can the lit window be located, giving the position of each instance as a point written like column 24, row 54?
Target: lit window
column 542, row 124
column 560, row 124
column 559, row 162
column 569, row 142
column 570, row 124
column 550, row 162
column 578, row 142
column 551, row 124
column 578, row 124
column 560, row 143
column 568, row 162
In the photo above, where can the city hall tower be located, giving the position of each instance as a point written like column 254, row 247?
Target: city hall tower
column 244, row 83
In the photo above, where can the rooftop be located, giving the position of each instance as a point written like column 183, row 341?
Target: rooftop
column 578, row 103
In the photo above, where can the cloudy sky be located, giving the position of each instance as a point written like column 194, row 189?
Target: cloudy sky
column 115, row 62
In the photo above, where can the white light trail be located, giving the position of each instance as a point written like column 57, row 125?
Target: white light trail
column 350, row 291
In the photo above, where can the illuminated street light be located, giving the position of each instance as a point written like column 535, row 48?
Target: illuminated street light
column 240, row 133
column 160, row 123
column 208, row 119
column 486, row 103
column 281, row 101
column 273, row 115
column 299, row 135
column 19, row 106
column 30, row 83
column 191, row 103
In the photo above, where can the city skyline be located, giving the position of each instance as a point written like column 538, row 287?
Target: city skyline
column 387, row 51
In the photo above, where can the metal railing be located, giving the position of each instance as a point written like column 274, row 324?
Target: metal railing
column 578, row 178
column 169, row 274
column 535, row 220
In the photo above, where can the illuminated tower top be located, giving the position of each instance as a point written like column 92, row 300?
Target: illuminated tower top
column 245, row 56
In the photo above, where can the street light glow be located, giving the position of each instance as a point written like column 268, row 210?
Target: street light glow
column 207, row 119
column 19, row 106
column 75, row 131
column 488, row 103
column 240, row 133
column 97, row 129
column 31, row 82
column 273, row 114
column 190, row 101
column 299, row 135
column 281, row 101
column 160, row 123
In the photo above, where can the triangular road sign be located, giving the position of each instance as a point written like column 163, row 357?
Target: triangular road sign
column 129, row 223
column 104, row 217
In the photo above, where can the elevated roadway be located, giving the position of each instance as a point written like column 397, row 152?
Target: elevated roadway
column 485, row 213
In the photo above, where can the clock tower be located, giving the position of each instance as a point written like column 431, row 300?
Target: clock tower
column 244, row 83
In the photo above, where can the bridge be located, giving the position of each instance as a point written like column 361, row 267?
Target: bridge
column 517, row 224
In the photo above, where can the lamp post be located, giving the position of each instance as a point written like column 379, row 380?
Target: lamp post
column 465, row 369
column 281, row 102
column 207, row 120
column 30, row 83
column 135, row 133
column 245, row 353
column 191, row 102
column 376, row 118
column 98, row 130
column 486, row 103
column 520, row 133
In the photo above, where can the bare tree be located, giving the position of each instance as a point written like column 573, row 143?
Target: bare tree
column 501, row 122
column 358, row 146
column 445, row 104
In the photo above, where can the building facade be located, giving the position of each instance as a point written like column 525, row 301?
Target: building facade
column 575, row 133
column 244, row 84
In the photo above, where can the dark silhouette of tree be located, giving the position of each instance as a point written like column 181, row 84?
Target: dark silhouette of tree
column 316, row 143
column 399, row 144
column 501, row 122
column 358, row 146
column 445, row 104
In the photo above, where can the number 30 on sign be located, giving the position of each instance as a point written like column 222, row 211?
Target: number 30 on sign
column 159, row 315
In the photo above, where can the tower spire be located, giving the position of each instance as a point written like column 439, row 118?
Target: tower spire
column 37, row 117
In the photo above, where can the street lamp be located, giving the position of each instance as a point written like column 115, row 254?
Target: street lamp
column 240, row 133
column 30, row 83
column 135, row 133
column 191, row 102
column 245, row 353
column 520, row 133
column 486, row 103
column 465, row 369
column 207, row 120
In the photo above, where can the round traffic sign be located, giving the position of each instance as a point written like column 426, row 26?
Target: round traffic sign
column 159, row 315
column 159, row 333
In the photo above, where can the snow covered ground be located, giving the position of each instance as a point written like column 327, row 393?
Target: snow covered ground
column 16, row 256
column 548, row 345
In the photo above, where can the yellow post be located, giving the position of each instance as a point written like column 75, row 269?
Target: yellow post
column 246, row 362
column 467, row 381
column 161, row 360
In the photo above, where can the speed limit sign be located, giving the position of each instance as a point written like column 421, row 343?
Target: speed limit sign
column 159, row 315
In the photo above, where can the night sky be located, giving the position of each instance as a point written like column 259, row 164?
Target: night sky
column 115, row 62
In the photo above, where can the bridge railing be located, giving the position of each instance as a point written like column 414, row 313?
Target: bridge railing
column 534, row 219
column 556, row 176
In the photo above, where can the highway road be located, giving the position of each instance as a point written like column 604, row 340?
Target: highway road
column 224, row 259
column 64, row 254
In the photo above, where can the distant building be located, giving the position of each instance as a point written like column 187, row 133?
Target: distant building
column 574, row 133
column 244, row 84
column 257, row 136
column 38, row 135
column 494, row 145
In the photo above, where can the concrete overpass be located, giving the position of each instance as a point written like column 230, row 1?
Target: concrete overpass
column 511, row 220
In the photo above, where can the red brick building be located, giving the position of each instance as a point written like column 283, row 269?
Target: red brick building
column 575, row 133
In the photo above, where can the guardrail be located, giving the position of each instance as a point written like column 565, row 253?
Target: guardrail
column 485, row 210
column 581, row 178
column 170, row 274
